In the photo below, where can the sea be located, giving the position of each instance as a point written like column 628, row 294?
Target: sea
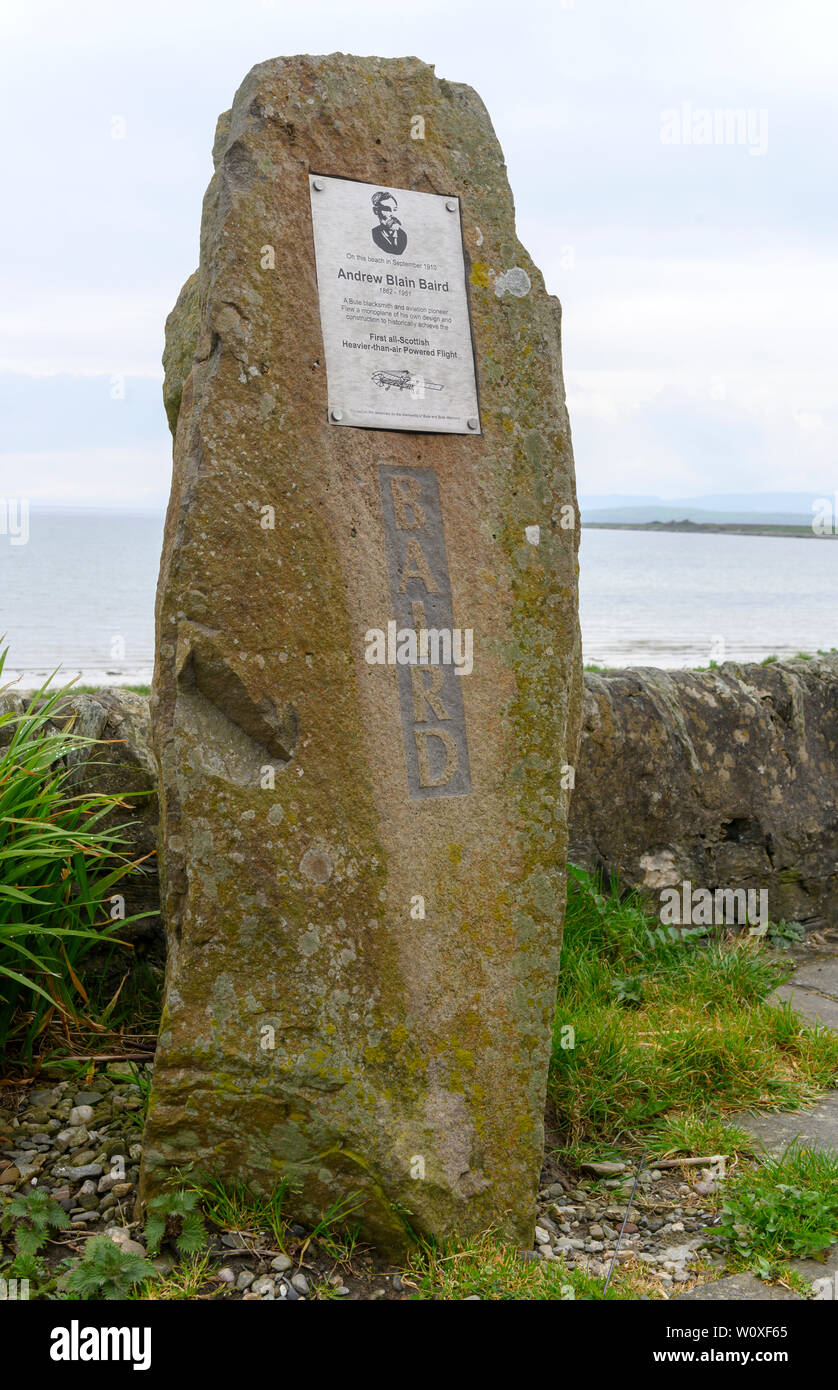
column 77, row 598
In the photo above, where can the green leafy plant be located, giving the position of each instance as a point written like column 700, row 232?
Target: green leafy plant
column 783, row 934
column 174, row 1216
column 629, row 991
column 29, row 1218
column 785, row 1207
column 106, row 1271
column 58, row 863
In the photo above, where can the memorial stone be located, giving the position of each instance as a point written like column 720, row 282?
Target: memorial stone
column 367, row 689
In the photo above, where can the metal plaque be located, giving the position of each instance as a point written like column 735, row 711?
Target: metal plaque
column 393, row 307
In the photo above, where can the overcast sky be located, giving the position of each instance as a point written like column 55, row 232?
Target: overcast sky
column 698, row 280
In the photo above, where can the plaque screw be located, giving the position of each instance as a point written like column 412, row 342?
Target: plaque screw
column 473, row 423
column 319, row 185
column 451, row 205
column 337, row 415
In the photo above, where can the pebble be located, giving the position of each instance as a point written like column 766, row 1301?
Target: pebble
column 264, row 1286
column 80, row 1115
column 86, row 1196
column 542, row 1237
column 76, row 1135
column 118, row 1233
column 86, row 1170
column 88, row 1098
column 299, row 1282
column 245, row 1279
column 47, row 1098
column 282, row 1263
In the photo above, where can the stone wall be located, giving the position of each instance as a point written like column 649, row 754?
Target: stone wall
column 728, row 778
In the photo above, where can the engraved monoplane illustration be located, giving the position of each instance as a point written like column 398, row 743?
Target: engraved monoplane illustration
column 405, row 381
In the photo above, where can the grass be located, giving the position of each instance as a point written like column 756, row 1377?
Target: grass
column 59, row 864
column 95, row 689
column 654, row 1027
column 783, row 1208
column 186, row 1279
column 699, row 1132
column 142, row 1080
column 235, row 1206
column 484, row 1266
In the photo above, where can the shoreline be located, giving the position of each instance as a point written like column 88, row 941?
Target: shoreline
column 731, row 528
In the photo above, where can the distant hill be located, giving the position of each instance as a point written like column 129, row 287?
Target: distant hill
column 759, row 508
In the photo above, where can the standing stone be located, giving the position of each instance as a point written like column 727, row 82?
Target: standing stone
column 363, row 957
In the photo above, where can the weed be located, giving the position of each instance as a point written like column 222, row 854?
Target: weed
column 784, row 1207
column 174, row 1216
column 783, row 934
column 29, row 1218
column 106, row 1271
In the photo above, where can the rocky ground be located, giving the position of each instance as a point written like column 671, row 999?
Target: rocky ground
column 82, row 1143
column 83, row 1146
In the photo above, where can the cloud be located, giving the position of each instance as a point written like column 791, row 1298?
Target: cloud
column 698, row 283
column 100, row 477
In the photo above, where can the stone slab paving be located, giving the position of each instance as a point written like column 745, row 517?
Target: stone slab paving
column 816, row 1127
column 820, row 974
column 817, row 1008
column 739, row 1287
column 813, row 991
